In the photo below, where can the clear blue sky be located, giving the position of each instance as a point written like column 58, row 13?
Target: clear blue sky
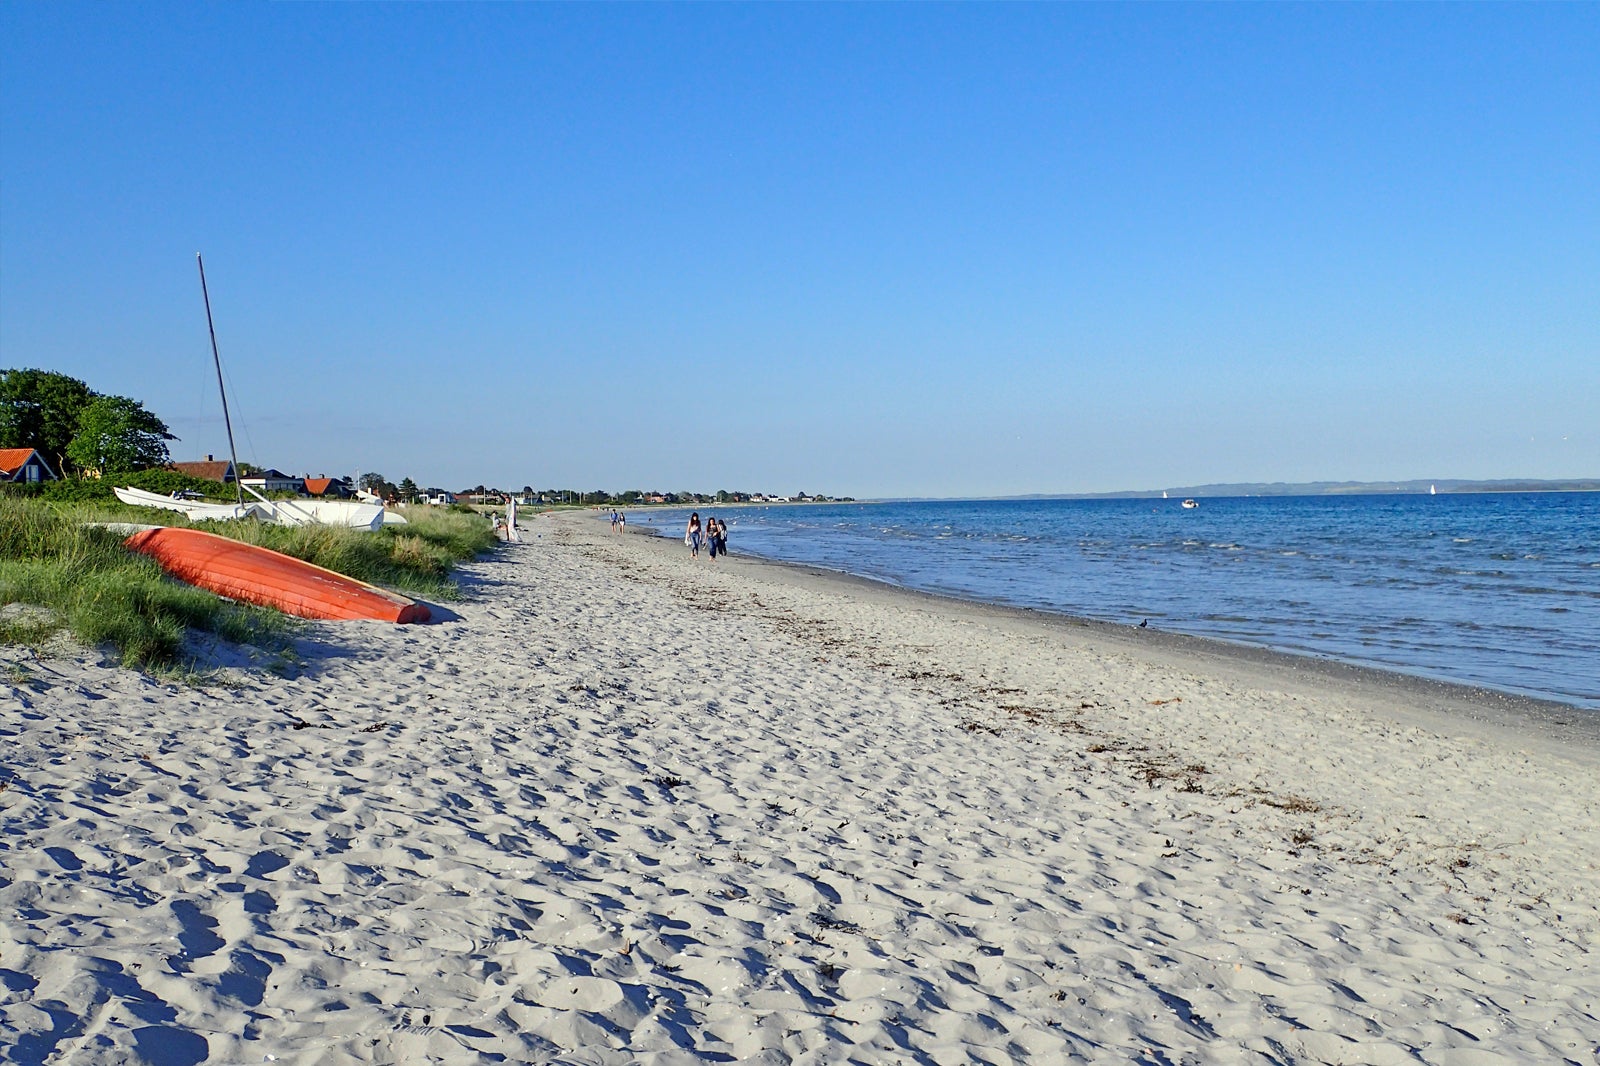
column 855, row 249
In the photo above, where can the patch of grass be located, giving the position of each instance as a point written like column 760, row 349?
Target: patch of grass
column 104, row 594
column 30, row 630
column 416, row 557
column 54, row 557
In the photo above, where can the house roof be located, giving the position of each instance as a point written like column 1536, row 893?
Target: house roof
column 318, row 486
column 14, row 459
column 212, row 470
column 269, row 475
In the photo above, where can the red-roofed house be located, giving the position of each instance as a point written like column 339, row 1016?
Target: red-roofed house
column 210, row 469
column 327, row 486
column 24, row 464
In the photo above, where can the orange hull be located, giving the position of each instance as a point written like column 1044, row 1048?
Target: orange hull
column 260, row 575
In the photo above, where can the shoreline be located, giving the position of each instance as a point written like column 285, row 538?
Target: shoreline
column 1559, row 722
column 623, row 807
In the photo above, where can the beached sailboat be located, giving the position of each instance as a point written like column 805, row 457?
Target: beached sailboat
column 367, row 513
column 347, row 513
column 198, row 510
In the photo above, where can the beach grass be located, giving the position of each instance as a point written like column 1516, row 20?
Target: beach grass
column 80, row 577
column 415, row 558
column 85, row 582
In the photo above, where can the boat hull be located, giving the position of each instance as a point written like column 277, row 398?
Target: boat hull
column 282, row 512
column 271, row 579
column 197, row 510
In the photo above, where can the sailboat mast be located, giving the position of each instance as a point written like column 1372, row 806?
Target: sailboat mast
column 216, row 357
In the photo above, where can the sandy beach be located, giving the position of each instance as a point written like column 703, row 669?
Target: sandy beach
column 621, row 806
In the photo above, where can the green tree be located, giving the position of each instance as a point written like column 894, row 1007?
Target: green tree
column 40, row 409
column 116, row 435
column 408, row 489
column 373, row 482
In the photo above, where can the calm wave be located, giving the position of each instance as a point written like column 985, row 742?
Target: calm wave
column 1500, row 590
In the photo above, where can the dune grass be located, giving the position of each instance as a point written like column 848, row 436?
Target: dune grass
column 415, row 558
column 53, row 557
column 93, row 587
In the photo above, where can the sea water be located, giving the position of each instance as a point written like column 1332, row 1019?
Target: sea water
column 1500, row 590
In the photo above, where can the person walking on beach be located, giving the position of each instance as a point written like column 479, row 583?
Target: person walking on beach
column 722, row 536
column 692, row 536
column 714, row 528
column 711, row 537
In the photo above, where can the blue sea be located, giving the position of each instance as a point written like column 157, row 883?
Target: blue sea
column 1500, row 590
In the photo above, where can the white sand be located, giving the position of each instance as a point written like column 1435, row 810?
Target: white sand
column 631, row 809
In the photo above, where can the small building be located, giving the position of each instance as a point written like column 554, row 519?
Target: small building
column 24, row 465
column 209, row 469
column 269, row 480
column 331, row 488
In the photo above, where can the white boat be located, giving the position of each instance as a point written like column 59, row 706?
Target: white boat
column 1189, row 505
column 349, row 513
column 390, row 518
column 282, row 512
column 199, row 510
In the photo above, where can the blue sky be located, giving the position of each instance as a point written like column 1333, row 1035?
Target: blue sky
column 875, row 250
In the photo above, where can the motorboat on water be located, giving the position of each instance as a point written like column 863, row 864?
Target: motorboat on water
column 1189, row 505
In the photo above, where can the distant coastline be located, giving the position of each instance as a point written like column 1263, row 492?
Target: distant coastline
column 1330, row 488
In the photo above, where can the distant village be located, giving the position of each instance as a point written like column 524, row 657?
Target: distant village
column 27, row 465
column 269, row 481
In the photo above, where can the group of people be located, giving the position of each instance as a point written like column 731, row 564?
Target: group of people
column 713, row 536
column 619, row 522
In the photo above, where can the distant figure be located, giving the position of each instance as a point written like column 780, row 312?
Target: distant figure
column 622, row 522
column 722, row 536
column 693, row 536
column 613, row 521
column 711, row 537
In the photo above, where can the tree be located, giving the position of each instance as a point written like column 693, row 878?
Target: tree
column 408, row 489
column 372, row 481
column 40, row 409
column 116, row 435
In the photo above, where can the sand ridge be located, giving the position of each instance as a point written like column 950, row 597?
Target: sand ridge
column 626, row 807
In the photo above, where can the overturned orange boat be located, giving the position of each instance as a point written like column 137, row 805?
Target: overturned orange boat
column 262, row 576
